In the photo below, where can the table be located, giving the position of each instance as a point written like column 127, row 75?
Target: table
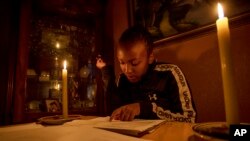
column 169, row 131
column 177, row 131
column 172, row 131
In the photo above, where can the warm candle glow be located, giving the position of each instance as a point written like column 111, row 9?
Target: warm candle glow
column 64, row 91
column 230, row 94
column 220, row 11
column 64, row 64
column 57, row 45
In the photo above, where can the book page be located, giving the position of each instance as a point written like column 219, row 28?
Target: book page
column 137, row 127
column 77, row 130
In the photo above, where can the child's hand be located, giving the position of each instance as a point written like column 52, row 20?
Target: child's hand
column 126, row 112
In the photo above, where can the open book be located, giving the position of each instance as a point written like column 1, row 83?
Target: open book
column 137, row 127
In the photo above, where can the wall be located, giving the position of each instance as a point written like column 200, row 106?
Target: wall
column 118, row 12
column 198, row 57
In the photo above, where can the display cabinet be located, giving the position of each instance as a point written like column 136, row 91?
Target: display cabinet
column 56, row 35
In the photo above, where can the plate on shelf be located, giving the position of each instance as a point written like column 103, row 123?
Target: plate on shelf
column 212, row 130
column 57, row 119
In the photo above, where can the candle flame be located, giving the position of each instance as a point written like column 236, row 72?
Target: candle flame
column 220, row 11
column 57, row 45
column 65, row 64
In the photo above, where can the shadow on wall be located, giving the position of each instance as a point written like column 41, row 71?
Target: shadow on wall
column 199, row 60
column 200, row 65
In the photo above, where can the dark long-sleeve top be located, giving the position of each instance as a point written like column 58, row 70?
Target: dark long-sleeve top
column 162, row 93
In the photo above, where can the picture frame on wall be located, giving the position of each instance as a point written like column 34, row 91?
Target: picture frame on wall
column 53, row 105
column 168, row 20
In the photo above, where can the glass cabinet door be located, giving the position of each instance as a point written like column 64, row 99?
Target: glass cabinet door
column 52, row 41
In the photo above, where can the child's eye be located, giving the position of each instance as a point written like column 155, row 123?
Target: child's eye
column 135, row 63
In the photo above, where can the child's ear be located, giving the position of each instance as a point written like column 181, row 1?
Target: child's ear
column 151, row 58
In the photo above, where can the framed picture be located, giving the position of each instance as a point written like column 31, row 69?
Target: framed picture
column 52, row 105
column 175, row 19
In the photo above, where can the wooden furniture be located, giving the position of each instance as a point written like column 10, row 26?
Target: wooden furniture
column 174, row 131
column 31, row 32
column 64, row 32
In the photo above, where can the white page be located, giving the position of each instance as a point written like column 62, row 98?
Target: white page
column 19, row 127
column 90, row 122
column 137, row 124
column 78, row 130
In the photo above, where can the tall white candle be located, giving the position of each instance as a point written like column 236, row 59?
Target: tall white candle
column 64, row 91
column 230, row 97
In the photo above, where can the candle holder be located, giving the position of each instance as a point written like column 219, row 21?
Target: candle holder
column 218, row 131
column 57, row 119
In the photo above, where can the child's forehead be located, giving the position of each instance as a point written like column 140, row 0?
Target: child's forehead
column 135, row 52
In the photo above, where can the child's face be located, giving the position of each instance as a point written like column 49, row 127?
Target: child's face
column 133, row 61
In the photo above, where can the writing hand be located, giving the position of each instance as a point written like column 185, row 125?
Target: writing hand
column 126, row 112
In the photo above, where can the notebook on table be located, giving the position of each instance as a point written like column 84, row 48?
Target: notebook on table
column 137, row 127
